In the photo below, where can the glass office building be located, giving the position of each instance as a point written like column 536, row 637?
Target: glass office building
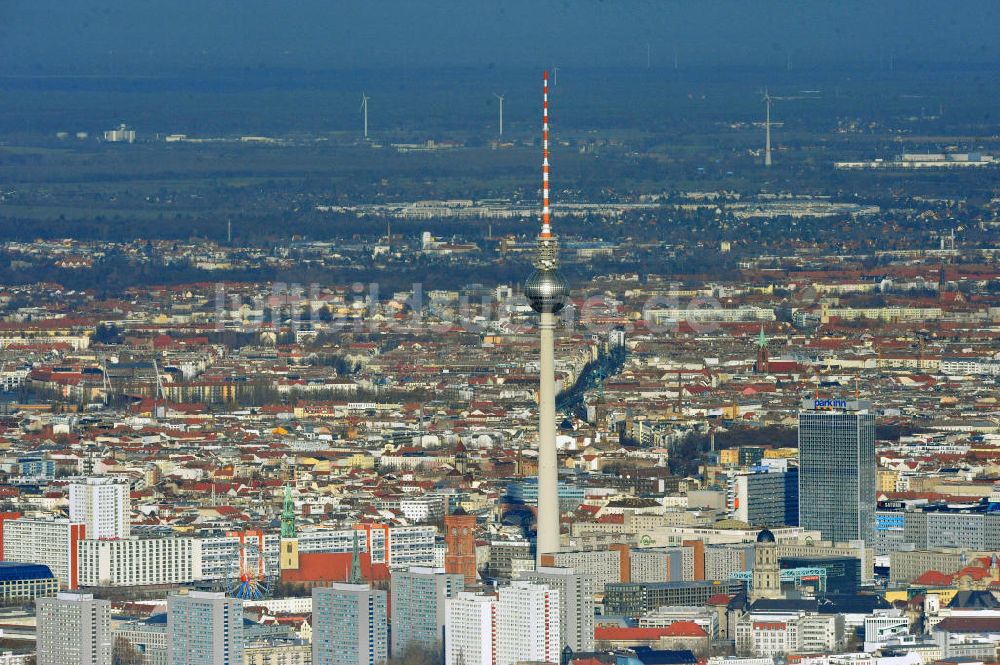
column 837, row 469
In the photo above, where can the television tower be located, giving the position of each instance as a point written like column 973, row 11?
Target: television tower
column 767, row 130
column 364, row 110
column 546, row 291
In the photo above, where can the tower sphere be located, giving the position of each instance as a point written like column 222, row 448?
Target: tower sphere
column 546, row 291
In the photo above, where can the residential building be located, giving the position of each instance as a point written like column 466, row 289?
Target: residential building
column 349, row 625
column 470, row 634
column 138, row 561
column 576, row 603
column 528, row 619
column 103, row 504
column 418, row 598
column 73, row 629
column 204, row 628
column 52, row 542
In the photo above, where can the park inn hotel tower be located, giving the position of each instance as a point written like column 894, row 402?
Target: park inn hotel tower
column 837, row 469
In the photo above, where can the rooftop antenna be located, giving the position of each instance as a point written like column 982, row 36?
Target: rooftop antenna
column 364, row 110
column 767, row 129
column 160, row 394
column 680, row 393
column 105, row 381
column 500, row 97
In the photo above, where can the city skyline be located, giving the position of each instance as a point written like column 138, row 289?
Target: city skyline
column 302, row 362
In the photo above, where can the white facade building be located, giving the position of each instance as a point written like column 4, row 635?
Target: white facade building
column 52, row 542
column 576, row 603
column 470, row 629
column 528, row 624
column 139, row 561
column 103, row 503
column 74, row 628
column 778, row 633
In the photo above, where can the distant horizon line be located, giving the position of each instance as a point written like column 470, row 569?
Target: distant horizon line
column 136, row 70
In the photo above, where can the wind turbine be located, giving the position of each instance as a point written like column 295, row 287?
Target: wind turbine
column 767, row 129
column 500, row 97
column 364, row 110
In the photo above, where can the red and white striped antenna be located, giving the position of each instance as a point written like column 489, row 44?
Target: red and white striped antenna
column 546, row 226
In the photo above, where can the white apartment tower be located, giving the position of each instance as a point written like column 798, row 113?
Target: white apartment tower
column 103, row 504
column 576, row 603
column 520, row 624
column 204, row 628
column 528, row 624
column 74, row 629
column 470, row 636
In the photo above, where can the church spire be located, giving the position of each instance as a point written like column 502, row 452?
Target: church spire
column 355, row 576
column 761, row 366
column 288, row 515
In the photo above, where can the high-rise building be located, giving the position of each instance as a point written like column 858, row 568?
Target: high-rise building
column 765, row 499
column 470, row 636
column 349, row 625
column 204, row 628
column 103, row 504
column 460, row 545
column 138, row 561
column 546, row 291
column 576, row 603
column 74, row 629
column 837, row 469
column 52, row 542
column 520, row 624
column 528, row 617
column 418, row 607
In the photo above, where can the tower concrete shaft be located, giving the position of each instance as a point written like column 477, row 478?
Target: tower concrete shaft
column 548, row 476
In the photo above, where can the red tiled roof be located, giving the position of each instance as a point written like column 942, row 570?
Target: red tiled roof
column 969, row 625
column 934, row 578
column 685, row 629
column 719, row 599
column 333, row 567
column 618, row 634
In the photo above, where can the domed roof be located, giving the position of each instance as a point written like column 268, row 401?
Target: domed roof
column 765, row 536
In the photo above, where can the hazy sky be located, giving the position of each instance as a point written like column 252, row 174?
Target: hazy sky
column 80, row 35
